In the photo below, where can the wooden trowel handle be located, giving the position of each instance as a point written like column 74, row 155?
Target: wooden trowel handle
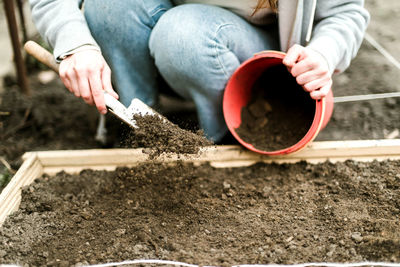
column 44, row 56
column 41, row 54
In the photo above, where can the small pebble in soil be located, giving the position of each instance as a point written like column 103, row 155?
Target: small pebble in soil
column 226, row 185
column 356, row 236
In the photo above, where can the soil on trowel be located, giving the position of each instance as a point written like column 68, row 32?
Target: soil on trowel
column 279, row 112
column 158, row 136
column 264, row 213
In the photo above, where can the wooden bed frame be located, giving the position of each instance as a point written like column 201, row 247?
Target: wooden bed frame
column 73, row 161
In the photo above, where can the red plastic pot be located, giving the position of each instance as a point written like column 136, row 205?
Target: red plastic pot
column 238, row 93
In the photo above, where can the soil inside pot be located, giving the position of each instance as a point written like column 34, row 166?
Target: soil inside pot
column 279, row 113
column 265, row 213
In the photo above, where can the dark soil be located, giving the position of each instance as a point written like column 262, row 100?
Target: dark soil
column 279, row 113
column 158, row 136
column 51, row 119
column 265, row 213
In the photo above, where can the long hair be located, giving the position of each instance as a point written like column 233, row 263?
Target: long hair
column 273, row 4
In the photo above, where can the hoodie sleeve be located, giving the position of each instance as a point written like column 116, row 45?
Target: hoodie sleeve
column 339, row 28
column 62, row 25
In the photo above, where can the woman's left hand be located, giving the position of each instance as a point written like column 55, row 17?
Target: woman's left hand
column 310, row 70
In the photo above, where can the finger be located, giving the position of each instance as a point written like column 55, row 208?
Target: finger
column 64, row 76
column 67, row 75
column 96, row 88
column 309, row 76
column 84, row 89
column 316, row 84
column 303, row 66
column 74, row 83
column 67, row 83
column 293, row 55
column 318, row 94
column 106, row 81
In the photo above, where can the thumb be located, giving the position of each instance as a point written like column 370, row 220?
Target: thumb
column 294, row 54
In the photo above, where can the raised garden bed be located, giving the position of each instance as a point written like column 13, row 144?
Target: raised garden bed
column 207, row 209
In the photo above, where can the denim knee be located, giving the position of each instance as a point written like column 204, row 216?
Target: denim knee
column 122, row 30
column 187, row 50
column 105, row 16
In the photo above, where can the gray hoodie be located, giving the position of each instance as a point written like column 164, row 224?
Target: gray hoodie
column 334, row 28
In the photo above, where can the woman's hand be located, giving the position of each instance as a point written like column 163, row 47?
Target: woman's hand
column 86, row 74
column 310, row 70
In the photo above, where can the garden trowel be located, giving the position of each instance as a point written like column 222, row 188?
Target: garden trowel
column 112, row 104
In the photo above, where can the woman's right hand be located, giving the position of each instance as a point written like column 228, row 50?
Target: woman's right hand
column 86, row 74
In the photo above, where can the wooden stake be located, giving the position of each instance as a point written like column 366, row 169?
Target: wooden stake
column 18, row 59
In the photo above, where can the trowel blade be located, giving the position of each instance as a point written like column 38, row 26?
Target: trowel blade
column 137, row 107
column 125, row 118
column 140, row 108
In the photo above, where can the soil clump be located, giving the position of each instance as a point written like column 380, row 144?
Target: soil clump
column 158, row 136
column 279, row 113
column 265, row 213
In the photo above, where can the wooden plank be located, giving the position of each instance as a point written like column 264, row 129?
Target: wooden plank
column 76, row 169
column 91, row 157
column 11, row 195
column 109, row 159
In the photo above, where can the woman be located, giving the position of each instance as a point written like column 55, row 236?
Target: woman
column 195, row 45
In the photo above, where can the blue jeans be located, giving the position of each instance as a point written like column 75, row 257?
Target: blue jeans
column 195, row 48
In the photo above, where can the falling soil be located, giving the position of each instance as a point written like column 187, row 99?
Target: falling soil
column 279, row 113
column 158, row 136
column 265, row 213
